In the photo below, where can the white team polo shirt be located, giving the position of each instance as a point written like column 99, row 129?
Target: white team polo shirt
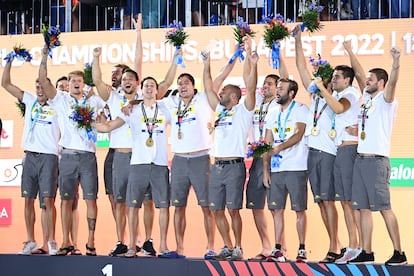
column 141, row 153
column 322, row 141
column 378, row 125
column 349, row 117
column 295, row 157
column 41, row 130
column 195, row 134
column 120, row 137
column 71, row 136
column 230, row 136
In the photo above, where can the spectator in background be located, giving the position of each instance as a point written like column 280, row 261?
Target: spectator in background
column 363, row 9
column 153, row 13
column 132, row 7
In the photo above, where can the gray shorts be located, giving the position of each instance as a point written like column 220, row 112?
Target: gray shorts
column 120, row 173
column 320, row 170
column 343, row 171
column 78, row 167
column 39, row 176
column 227, row 184
column 293, row 183
column 371, row 189
column 108, row 177
column 144, row 176
column 255, row 190
column 186, row 171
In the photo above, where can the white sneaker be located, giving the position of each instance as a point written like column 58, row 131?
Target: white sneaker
column 52, row 245
column 276, row 256
column 349, row 255
column 302, row 256
column 237, row 254
column 28, row 248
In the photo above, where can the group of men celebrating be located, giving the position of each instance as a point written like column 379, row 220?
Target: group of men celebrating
column 340, row 135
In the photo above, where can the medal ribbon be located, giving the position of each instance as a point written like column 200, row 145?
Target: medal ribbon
column 262, row 116
column 223, row 114
column 181, row 113
column 281, row 130
column 365, row 108
column 150, row 123
column 316, row 116
column 36, row 116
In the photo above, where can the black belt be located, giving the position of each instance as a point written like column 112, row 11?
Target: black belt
column 313, row 149
column 228, row 162
column 32, row 152
column 370, row 156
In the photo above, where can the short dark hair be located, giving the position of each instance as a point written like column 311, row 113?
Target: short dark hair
column 129, row 70
column 380, row 73
column 124, row 67
column 149, row 78
column 61, row 79
column 293, row 85
column 189, row 76
column 274, row 77
column 348, row 72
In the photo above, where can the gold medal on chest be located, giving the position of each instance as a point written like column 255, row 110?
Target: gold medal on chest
column 332, row 133
column 363, row 135
column 149, row 142
column 315, row 131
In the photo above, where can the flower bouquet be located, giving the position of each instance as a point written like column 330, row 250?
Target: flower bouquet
column 275, row 30
column 83, row 117
column 242, row 29
column 310, row 18
column 258, row 148
column 87, row 72
column 322, row 69
column 177, row 37
column 51, row 37
column 20, row 53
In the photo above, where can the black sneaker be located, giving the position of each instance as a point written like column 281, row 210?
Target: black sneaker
column 148, row 249
column 119, row 250
column 397, row 259
column 363, row 258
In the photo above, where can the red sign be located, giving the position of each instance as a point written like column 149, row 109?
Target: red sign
column 5, row 211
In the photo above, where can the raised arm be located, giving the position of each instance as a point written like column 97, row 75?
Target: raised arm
column 304, row 73
column 8, row 85
column 337, row 106
column 169, row 77
column 389, row 93
column 47, row 86
column 103, row 89
column 212, row 97
column 251, row 82
column 356, row 66
column 224, row 73
column 138, row 45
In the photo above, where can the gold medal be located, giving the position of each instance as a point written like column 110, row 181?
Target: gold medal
column 149, row 142
column 180, row 135
column 332, row 133
column 315, row 131
column 363, row 135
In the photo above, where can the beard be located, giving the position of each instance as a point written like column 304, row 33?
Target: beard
column 283, row 99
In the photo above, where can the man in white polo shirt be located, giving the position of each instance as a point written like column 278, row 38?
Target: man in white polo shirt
column 371, row 177
column 40, row 165
column 78, row 159
column 285, row 166
column 228, row 173
column 344, row 102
